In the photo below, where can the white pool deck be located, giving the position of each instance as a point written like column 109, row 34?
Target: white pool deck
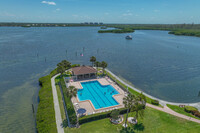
column 87, row 104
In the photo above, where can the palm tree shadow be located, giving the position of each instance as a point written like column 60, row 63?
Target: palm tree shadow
column 128, row 130
column 139, row 127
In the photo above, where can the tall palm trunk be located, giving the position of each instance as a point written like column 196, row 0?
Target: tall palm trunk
column 126, row 118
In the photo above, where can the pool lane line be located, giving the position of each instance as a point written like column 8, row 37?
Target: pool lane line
column 92, row 96
column 104, row 95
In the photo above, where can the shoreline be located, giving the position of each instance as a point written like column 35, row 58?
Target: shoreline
column 162, row 102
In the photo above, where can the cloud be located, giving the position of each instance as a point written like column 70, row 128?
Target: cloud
column 127, row 14
column 49, row 2
column 58, row 9
column 156, row 10
column 106, row 13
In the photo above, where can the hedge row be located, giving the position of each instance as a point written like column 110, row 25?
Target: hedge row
column 189, row 109
column 70, row 108
column 155, row 102
column 45, row 117
column 196, row 113
column 99, row 116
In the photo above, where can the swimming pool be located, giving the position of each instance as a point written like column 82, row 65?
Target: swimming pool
column 99, row 95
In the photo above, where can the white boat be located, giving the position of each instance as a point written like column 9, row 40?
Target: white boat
column 129, row 37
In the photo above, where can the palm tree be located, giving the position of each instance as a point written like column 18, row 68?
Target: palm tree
column 71, row 91
column 104, row 65
column 139, row 105
column 97, row 64
column 128, row 101
column 92, row 59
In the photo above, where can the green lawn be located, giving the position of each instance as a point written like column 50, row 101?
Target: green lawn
column 153, row 122
column 180, row 110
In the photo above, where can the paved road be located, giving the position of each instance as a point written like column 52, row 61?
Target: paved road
column 56, row 106
column 169, row 111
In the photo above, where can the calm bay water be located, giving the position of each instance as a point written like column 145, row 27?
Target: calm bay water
column 162, row 65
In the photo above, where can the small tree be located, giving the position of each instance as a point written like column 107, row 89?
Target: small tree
column 92, row 59
column 66, row 64
column 115, row 114
column 104, row 65
column 61, row 70
column 71, row 91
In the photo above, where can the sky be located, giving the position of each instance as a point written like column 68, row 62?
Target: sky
column 106, row 11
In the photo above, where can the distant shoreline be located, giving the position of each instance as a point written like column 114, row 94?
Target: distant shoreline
column 176, row 29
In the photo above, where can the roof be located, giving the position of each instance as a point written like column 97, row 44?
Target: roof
column 83, row 70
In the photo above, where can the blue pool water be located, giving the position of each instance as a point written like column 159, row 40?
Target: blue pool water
column 100, row 96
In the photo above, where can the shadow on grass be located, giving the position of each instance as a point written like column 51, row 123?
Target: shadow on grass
column 128, row 130
column 139, row 127
column 133, row 128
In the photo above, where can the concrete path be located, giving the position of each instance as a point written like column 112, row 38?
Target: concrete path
column 56, row 106
column 169, row 111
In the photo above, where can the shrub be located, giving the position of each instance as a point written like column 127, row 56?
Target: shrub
column 99, row 116
column 69, row 105
column 155, row 102
column 115, row 114
column 75, row 65
column 189, row 109
column 45, row 117
column 194, row 111
column 197, row 114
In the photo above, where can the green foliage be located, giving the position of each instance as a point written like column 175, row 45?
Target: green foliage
column 75, row 65
column 180, row 110
column 123, row 30
column 189, row 108
column 61, row 70
column 92, row 59
column 70, row 108
column 45, row 117
column 155, row 102
column 93, row 117
column 115, row 114
column 64, row 63
column 186, row 32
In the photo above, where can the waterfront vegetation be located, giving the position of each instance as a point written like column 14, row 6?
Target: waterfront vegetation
column 181, row 110
column 176, row 29
column 121, row 30
column 45, row 113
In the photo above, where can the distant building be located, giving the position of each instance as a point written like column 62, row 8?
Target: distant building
column 96, row 23
column 86, row 23
column 101, row 23
column 91, row 22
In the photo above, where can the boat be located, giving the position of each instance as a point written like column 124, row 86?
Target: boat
column 103, row 27
column 129, row 37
